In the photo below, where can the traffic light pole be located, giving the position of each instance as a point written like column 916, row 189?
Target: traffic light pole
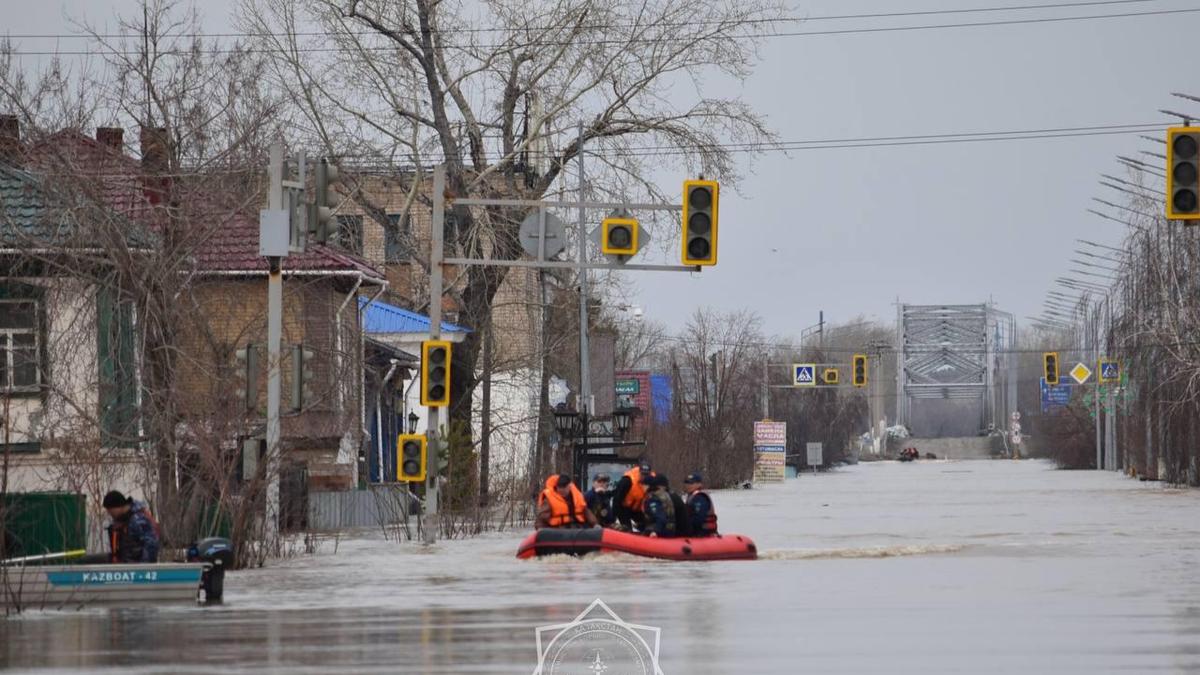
column 433, row 458
column 437, row 260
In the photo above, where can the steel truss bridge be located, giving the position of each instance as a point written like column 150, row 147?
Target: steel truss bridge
column 957, row 352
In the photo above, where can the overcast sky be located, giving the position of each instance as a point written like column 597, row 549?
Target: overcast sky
column 851, row 230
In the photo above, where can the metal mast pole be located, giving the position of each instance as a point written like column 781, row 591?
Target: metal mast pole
column 274, row 335
column 585, row 375
column 436, row 253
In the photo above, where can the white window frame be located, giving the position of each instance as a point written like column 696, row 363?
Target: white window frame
column 6, row 345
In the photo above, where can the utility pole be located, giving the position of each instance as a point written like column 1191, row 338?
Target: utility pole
column 766, row 392
column 585, row 368
column 274, row 336
column 275, row 236
column 433, row 438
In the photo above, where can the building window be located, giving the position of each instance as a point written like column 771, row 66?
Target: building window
column 398, row 238
column 118, row 371
column 20, row 368
column 349, row 234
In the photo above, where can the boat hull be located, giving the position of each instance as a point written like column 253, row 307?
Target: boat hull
column 582, row 541
column 57, row 586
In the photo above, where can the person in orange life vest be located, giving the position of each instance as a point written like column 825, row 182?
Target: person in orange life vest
column 561, row 504
column 702, row 514
column 133, row 534
column 628, row 496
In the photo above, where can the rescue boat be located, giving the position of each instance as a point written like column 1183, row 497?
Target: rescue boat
column 551, row 541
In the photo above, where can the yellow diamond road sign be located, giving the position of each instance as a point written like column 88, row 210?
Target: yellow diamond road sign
column 1080, row 373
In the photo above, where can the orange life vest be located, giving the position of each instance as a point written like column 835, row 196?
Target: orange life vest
column 562, row 513
column 637, row 491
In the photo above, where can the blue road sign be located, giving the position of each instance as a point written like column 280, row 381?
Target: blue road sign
column 1110, row 371
column 1056, row 397
column 804, row 374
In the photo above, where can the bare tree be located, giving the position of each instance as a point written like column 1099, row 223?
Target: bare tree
column 127, row 232
column 494, row 92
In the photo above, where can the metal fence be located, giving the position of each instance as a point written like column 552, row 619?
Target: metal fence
column 377, row 506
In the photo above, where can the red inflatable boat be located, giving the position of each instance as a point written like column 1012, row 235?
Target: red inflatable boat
column 578, row 542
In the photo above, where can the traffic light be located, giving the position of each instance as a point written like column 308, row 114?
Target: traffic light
column 619, row 236
column 435, row 373
column 410, row 465
column 860, row 370
column 320, row 219
column 247, row 366
column 1050, row 367
column 831, row 376
column 1183, row 173
column 700, row 222
column 302, row 377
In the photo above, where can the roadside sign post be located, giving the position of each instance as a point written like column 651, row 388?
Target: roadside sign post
column 770, row 449
column 816, row 455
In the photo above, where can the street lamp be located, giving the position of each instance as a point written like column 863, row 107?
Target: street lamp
column 565, row 422
column 622, row 418
column 412, row 422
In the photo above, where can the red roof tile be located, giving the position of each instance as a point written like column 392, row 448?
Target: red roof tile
column 231, row 247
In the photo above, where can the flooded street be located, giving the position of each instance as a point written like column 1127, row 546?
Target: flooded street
column 986, row 566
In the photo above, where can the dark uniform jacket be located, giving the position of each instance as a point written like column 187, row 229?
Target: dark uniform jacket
column 135, row 537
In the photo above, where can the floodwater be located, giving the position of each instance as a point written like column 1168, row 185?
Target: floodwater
column 988, row 566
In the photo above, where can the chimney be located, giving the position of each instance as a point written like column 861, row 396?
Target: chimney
column 154, row 143
column 111, row 137
column 10, row 139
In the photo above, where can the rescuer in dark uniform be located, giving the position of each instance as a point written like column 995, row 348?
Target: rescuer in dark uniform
column 659, row 507
column 133, row 534
column 600, row 500
column 701, row 513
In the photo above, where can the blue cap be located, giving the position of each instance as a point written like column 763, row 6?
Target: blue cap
column 694, row 478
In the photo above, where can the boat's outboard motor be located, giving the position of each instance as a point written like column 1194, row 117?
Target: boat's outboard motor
column 218, row 553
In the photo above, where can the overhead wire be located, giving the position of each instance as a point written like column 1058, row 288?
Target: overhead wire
column 576, row 42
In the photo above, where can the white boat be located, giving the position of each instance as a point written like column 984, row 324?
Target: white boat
column 68, row 586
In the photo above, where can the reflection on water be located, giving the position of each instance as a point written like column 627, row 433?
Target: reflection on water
column 1008, row 567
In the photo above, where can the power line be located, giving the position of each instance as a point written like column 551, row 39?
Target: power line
column 372, row 160
column 602, row 26
column 615, row 42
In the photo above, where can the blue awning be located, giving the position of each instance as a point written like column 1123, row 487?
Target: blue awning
column 381, row 317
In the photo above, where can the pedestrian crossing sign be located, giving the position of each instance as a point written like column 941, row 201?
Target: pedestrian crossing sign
column 804, row 374
column 1110, row 371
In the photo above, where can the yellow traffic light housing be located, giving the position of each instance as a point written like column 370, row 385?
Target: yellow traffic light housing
column 700, row 207
column 619, row 236
column 435, row 373
column 860, row 370
column 1050, row 367
column 1183, row 173
column 831, row 376
column 412, row 452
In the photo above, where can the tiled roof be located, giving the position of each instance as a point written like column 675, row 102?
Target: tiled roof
column 381, row 317
column 29, row 219
column 231, row 247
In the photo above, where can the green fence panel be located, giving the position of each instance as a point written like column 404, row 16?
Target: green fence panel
column 42, row 522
